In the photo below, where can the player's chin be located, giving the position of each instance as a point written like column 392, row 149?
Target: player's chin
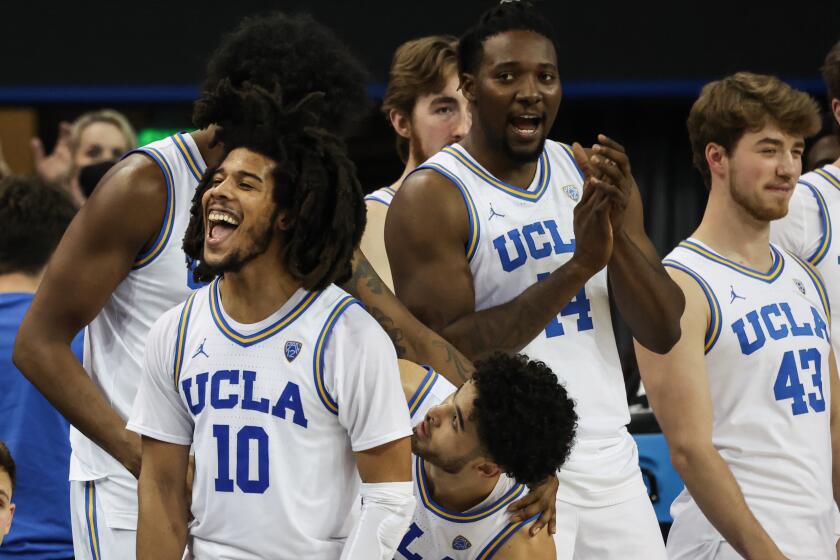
column 525, row 151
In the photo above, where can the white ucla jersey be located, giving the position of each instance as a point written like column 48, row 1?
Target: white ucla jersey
column 437, row 533
column 382, row 196
column 159, row 279
column 517, row 237
column 274, row 412
column 767, row 349
column 807, row 230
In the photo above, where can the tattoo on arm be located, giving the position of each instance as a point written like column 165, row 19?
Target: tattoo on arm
column 396, row 334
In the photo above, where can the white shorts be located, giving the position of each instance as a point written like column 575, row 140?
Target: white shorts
column 627, row 530
column 102, row 529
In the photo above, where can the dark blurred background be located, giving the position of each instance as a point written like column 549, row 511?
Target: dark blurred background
column 629, row 69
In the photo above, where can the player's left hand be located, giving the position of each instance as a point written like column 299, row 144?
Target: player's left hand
column 541, row 499
column 609, row 160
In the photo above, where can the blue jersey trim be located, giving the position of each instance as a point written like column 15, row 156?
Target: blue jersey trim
column 769, row 276
column 422, row 391
column 825, row 225
column 183, row 324
column 828, row 176
column 715, row 319
column 503, row 536
column 371, row 198
column 146, row 258
column 818, row 284
column 251, row 339
column 90, row 515
column 472, row 213
column 456, row 517
column 568, row 151
column 186, row 153
column 320, row 350
column 544, row 173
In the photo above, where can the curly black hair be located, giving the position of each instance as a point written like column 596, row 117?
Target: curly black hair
column 314, row 179
column 526, row 420
column 34, row 216
column 507, row 16
column 301, row 55
column 7, row 463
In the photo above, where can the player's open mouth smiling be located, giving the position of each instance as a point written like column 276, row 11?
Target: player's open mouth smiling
column 221, row 224
column 527, row 125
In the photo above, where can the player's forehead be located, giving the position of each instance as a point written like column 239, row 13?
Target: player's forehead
column 772, row 135
column 518, row 47
column 243, row 160
column 464, row 398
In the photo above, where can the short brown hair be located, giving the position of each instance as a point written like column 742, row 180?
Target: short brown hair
column 728, row 108
column 419, row 67
column 831, row 72
column 8, row 464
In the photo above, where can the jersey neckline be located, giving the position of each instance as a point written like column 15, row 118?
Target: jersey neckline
column 539, row 184
column 697, row 246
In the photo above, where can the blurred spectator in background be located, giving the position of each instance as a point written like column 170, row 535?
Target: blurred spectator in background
column 824, row 151
column 94, row 137
column 7, row 486
column 34, row 216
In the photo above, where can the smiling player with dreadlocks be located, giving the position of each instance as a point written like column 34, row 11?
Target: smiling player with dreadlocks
column 297, row 387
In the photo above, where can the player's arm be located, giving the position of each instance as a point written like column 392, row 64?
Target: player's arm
column 678, row 389
column 835, row 426
column 373, row 241
column 426, row 231
column 523, row 546
column 411, row 376
column 371, row 407
column 649, row 301
column 162, row 495
column 94, row 256
column 412, row 339
column 162, row 419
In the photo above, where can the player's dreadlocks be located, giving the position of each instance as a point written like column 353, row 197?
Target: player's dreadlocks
column 298, row 53
column 314, row 180
column 507, row 16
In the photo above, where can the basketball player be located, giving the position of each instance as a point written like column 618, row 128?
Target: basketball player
column 515, row 260
column 427, row 111
column 745, row 397
column 278, row 381
column 475, row 450
column 806, row 230
column 122, row 262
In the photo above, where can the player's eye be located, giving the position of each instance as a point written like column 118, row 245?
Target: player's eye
column 505, row 77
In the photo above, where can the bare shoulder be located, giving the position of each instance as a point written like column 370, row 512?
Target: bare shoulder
column 522, row 546
column 427, row 186
column 412, row 376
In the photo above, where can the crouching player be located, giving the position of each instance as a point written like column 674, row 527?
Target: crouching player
column 475, row 450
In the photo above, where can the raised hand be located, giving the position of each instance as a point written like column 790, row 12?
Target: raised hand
column 592, row 225
column 54, row 168
column 541, row 499
column 609, row 161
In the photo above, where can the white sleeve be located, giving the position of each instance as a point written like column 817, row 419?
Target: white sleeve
column 800, row 232
column 158, row 410
column 361, row 367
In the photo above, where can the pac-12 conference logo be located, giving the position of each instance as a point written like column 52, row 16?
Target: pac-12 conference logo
column 292, row 349
column 572, row 191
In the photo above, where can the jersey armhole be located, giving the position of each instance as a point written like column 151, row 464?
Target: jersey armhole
column 714, row 327
column 502, row 537
column 825, row 226
column 181, row 340
column 472, row 214
column 320, row 349
column 148, row 256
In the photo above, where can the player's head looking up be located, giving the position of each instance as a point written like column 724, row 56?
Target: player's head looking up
column 512, row 416
column 747, row 135
column 508, row 66
column 422, row 102
column 831, row 76
column 298, row 53
column 283, row 180
column 34, row 216
column 7, row 486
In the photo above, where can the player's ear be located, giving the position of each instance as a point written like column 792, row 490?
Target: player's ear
column 716, row 159
column 835, row 109
column 467, row 86
column 283, row 222
column 401, row 123
column 489, row 469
